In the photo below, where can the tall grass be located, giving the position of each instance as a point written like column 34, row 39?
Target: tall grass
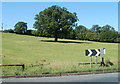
column 47, row 69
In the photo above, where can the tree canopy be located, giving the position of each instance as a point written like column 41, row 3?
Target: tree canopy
column 81, row 32
column 20, row 27
column 58, row 22
column 55, row 21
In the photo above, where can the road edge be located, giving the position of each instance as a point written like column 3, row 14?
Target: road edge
column 63, row 74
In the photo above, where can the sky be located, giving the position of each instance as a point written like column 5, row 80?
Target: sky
column 89, row 13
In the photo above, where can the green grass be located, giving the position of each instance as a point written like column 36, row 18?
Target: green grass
column 56, row 57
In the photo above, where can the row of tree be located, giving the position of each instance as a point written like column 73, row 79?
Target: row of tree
column 58, row 22
column 96, row 33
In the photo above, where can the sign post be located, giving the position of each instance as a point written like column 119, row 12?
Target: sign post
column 102, row 52
column 96, row 52
column 90, row 61
column 95, row 59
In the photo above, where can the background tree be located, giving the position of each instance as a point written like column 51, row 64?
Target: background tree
column 72, row 34
column 55, row 21
column 81, row 32
column 9, row 31
column 108, row 34
column 96, row 29
column 34, row 32
column 92, row 36
column 20, row 27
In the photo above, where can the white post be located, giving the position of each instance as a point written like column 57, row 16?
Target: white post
column 96, row 59
column 90, row 61
column 102, row 56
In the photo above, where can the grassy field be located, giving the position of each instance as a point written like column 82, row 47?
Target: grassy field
column 51, row 57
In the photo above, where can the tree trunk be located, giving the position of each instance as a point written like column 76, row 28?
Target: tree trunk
column 56, row 39
column 56, row 35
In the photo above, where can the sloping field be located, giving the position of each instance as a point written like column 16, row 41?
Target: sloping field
column 31, row 50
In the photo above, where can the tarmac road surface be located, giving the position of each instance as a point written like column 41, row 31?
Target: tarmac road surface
column 106, row 77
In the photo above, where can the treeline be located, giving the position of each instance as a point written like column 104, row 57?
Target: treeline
column 101, row 34
column 58, row 22
column 96, row 33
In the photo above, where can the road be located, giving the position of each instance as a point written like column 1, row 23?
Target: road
column 106, row 77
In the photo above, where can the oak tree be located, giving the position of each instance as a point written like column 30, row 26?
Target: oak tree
column 55, row 21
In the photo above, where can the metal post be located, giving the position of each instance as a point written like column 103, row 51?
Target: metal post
column 96, row 59
column 90, row 61
column 102, row 56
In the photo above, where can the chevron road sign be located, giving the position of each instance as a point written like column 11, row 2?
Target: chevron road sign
column 94, row 52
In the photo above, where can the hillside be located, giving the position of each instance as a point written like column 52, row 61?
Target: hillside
column 23, row 49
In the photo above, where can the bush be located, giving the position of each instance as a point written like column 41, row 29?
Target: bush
column 117, row 40
column 29, row 32
column 108, row 63
column 9, row 31
column 34, row 32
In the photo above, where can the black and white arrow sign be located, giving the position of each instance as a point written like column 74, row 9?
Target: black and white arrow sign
column 93, row 52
